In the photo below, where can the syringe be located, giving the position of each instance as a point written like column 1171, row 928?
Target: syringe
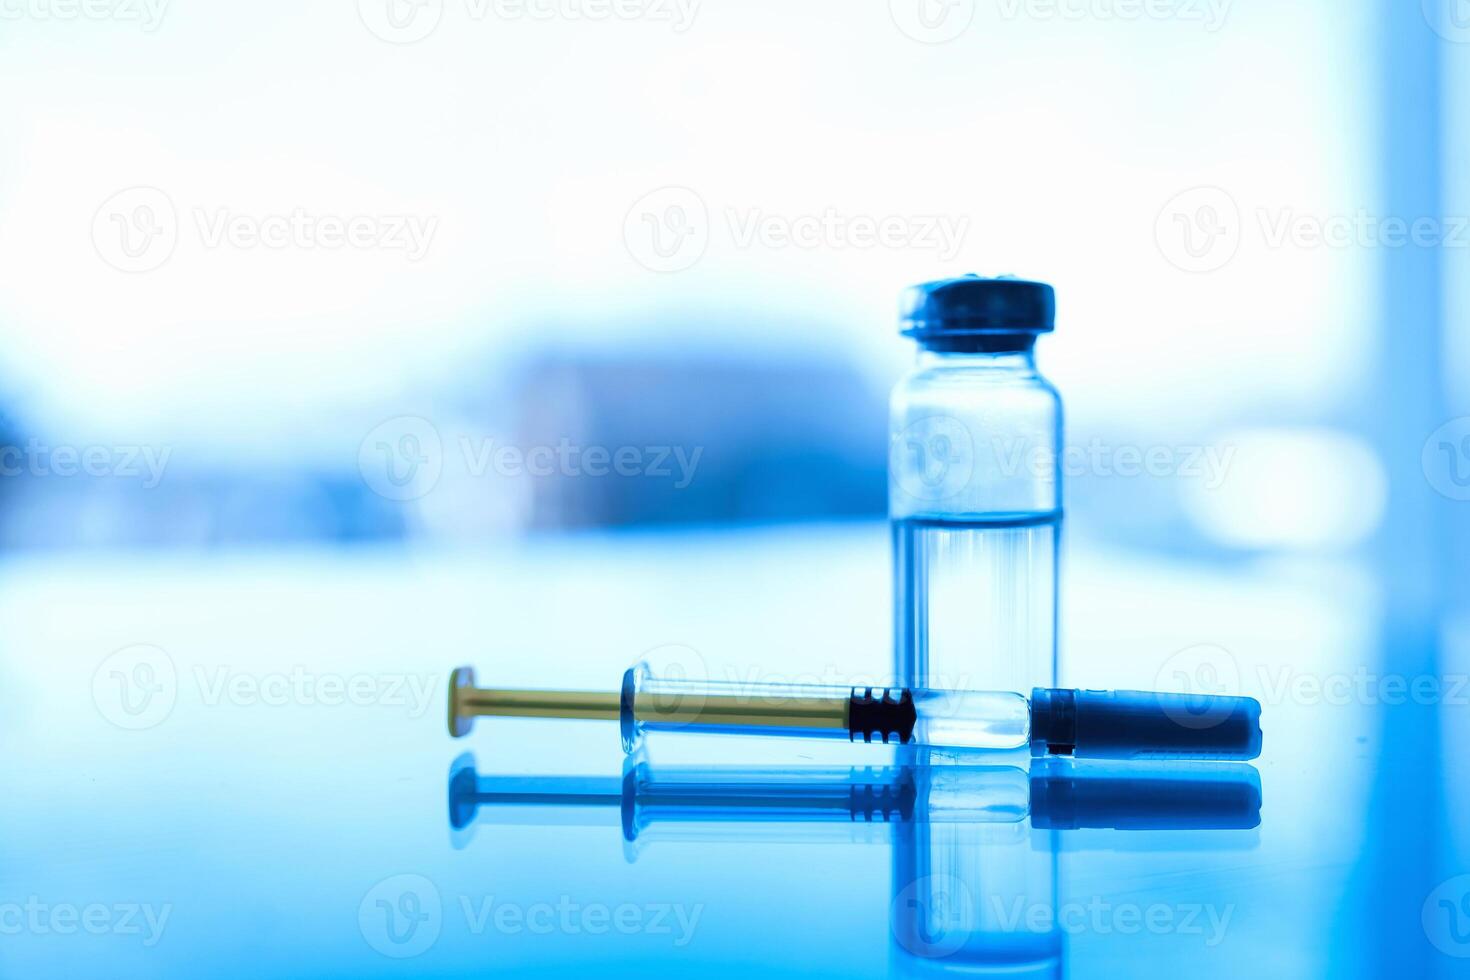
column 1057, row 721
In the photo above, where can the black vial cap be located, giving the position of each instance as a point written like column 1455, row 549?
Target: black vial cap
column 1144, row 725
column 973, row 314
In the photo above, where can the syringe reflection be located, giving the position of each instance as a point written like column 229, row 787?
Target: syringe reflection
column 866, row 803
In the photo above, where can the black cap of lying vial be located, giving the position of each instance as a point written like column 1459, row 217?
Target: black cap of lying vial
column 1144, row 725
column 975, row 314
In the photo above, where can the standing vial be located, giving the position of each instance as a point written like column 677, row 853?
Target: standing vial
column 974, row 494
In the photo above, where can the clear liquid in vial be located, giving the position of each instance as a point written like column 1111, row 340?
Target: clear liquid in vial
column 976, row 601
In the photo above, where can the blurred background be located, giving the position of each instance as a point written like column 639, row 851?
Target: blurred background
column 328, row 285
column 687, row 224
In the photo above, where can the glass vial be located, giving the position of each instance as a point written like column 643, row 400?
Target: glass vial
column 974, row 493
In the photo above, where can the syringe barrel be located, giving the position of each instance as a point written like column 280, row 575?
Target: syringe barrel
column 972, row 719
column 943, row 719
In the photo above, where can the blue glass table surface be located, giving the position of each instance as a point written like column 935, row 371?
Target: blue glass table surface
column 237, row 765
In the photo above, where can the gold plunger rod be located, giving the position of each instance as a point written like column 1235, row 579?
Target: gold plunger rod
column 748, row 712
column 670, row 708
column 539, row 704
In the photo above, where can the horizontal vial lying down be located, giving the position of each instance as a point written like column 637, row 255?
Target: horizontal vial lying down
column 1056, row 721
